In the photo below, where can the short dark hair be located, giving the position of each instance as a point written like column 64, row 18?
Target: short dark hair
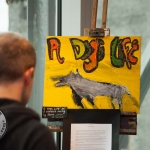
column 17, row 55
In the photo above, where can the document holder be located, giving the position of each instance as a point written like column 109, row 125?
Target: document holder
column 92, row 116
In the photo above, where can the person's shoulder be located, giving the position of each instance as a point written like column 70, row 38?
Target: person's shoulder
column 42, row 138
column 28, row 132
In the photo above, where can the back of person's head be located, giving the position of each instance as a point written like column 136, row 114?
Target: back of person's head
column 16, row 56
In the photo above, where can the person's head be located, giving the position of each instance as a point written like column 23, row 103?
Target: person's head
column 17, row 61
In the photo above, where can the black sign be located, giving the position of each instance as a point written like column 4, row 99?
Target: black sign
column 54, row 112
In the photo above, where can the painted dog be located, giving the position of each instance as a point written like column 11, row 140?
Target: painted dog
column 85, row 88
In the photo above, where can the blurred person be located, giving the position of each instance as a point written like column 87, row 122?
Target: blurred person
column 23, row 130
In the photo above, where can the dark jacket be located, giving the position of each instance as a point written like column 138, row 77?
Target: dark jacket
column 24, row 130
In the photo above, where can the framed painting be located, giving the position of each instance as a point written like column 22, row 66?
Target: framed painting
column 83, row 72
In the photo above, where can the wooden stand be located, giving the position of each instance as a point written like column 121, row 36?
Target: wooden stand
column 128, row 121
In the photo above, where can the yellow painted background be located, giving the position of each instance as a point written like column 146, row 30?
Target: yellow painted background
column 62, row 96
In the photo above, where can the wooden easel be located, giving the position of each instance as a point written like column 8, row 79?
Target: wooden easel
column 128, row 121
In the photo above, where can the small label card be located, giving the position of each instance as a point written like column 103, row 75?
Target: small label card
column 54, row 112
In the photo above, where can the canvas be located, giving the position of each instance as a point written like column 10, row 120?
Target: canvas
column 93, row 72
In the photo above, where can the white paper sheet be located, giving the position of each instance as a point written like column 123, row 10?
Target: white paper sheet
column 91, row 137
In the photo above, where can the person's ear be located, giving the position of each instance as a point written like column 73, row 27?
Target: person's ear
column 28, row 76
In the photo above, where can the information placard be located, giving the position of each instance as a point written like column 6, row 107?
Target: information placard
column 91, row 136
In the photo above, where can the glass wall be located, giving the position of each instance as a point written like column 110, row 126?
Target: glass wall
column 131, row 18
column 35, row 19
column 4, row 16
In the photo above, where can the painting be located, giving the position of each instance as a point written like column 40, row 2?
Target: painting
column 83, row 72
